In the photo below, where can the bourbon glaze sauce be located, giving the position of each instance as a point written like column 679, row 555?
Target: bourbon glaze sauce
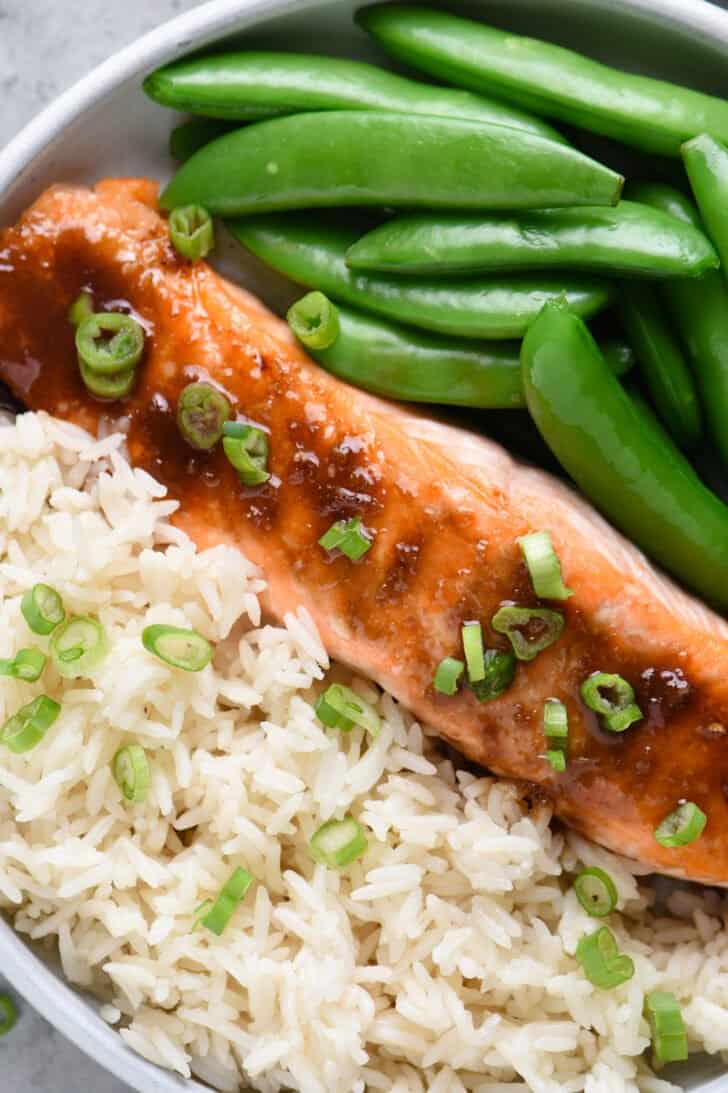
column 428, row 571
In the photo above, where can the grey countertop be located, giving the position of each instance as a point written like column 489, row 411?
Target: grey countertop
column 46, row 45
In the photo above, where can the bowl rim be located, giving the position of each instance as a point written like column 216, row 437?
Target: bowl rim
column 50, row 995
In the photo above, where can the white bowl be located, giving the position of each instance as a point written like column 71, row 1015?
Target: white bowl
column 105, row 126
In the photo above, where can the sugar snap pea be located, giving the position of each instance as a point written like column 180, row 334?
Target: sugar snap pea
column 554, row 82
column 402, row 363
column 663, row 365
column 641, row 482
column 706, row 162
column 313, row 253
column 358, row 158
column 700, row 311
column 253, row 85
column 629, row 239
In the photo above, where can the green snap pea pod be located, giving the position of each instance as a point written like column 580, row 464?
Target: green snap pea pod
column 706, row 162
column 700, row 311
column 254, row 85
column 630, row 472
column 401, row 363
column 663, row 365
column 553, row 82
column 343, row 157
column 313, row 253
column 629, row 239
column 190, row 136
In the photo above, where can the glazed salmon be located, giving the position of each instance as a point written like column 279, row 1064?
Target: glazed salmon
column 444, row 508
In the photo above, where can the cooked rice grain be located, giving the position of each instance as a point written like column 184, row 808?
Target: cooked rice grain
column 442, row 961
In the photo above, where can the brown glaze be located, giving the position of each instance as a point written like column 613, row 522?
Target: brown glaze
column 444, row 511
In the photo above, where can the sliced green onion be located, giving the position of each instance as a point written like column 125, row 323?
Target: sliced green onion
column 596, row 892
column 529, row 629
column 447, row 675
column 113, row 386
column 202, row 411
column 500, row 670
column 27, row 664
column 132, row 775
column 78, row 646
column 669, row 1038
column 338, row 843
column 192, row 232
column 557, row 759
column 314, row 320
column 179, row 647
column 556, row 731
column 544, row 567
column 348, row 537
column 81, row 308
column 8, row 1014
column 617, row 706
column 28, row 726
column 604, row 966
column 681, row 827
column 246, row 446
column 341, row 708
column 224, row 907
column 109, row 343
column 555, row 720
column 472, row 634
column 42, row 609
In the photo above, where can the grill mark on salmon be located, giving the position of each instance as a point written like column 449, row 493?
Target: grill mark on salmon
column 444, row 508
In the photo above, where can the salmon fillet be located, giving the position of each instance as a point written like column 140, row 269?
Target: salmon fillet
column 445, row 509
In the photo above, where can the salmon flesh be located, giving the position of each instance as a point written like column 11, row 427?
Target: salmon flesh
column 445, row 509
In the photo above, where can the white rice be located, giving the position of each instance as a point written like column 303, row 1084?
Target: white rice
column 441, row 961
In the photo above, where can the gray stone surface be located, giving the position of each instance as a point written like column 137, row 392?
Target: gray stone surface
column 46, row 45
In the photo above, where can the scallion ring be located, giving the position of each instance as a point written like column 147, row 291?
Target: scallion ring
column 596, row 892
column 681, row 827
column 555, row 720
column 223, row 908
column 530, row 630
column 338, row 843
column 178, row 647
column 28, row 726
column 27, row 664
column 109, row 343
column 556, row 759
column 202, row 411
column 132, row 775
column 246, row 447
column 612, row 697
column 349, row 537
column 78, row 646
column 472, row 636
column 669, row 1038
column 341, row 708
column 192, row 232
column 314, row 320
column 42, row 608
column 8, row 1014
column 603, row 964
column 81, row 308
column 111, row 386
column 500, row 671
column 556, row 731
column 447, row 675
column 544, row 567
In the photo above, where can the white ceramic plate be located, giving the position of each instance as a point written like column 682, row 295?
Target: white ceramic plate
column 105, row 126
